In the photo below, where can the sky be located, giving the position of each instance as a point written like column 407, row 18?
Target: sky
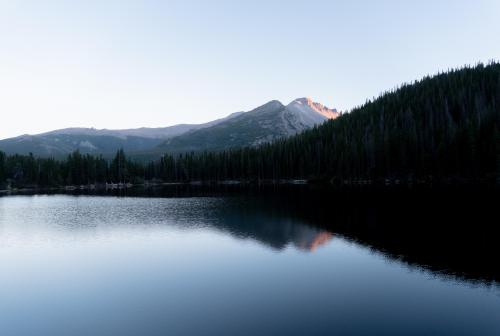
column 126, row 64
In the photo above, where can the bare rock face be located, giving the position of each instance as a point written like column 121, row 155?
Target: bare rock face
column 308, row 106
column 263, row 124
column 304, row 113
column 266, row 123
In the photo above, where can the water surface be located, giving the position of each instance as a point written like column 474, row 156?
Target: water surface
column 231, row 265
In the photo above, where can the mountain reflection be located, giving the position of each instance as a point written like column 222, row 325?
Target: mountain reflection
column 247, row 218
column 318, row 240
column 449, row 232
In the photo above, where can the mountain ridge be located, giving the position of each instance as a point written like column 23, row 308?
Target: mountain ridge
column 266, row 123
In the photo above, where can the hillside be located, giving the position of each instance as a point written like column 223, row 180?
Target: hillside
column 60, row 143
column 441, row 128
column 264, row 124
column 267, row 123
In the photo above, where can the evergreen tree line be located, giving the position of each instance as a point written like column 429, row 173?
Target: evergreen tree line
column 441, row 127
column 77, row 169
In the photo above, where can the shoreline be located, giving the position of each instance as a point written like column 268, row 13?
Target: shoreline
column 355, row 185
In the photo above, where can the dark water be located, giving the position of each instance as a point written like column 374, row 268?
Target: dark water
column 276, row 262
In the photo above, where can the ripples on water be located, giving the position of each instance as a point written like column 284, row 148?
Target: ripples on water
column 275, row 262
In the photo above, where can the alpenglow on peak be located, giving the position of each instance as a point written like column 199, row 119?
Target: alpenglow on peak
column 317, row 107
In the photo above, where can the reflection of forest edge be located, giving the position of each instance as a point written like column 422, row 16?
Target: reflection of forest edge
column 452, row 232
column 448, row 231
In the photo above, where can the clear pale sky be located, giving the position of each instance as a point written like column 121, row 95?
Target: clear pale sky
column 124, row 64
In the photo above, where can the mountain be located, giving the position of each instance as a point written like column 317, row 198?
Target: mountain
column 60, row 143
column 443, row 129
column 264, row 124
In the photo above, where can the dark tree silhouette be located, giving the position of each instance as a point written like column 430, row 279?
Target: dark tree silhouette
column 441, row 128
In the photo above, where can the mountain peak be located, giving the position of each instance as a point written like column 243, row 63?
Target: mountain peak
column 304, row 100
column 273, row 103
column 317, row 107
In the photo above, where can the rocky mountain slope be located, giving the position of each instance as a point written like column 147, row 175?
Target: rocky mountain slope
column 266, row 123
column 60, row 143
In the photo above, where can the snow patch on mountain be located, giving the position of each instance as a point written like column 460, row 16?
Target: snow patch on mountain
column 304, row 113
column 87, row 144
column 309, row 112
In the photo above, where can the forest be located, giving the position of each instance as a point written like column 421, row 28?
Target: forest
column 444, row 128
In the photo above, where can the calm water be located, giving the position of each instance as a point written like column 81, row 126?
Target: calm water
column 234, row 265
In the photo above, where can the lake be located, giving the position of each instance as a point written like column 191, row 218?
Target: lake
column 274, row 262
